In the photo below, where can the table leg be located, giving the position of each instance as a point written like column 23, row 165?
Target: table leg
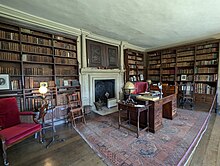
column 138, row 124
column 119, row 118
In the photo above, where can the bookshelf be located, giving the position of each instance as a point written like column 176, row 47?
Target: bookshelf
column 32, row 55
column 135, row 65
column 196, row 63
column 154, row 66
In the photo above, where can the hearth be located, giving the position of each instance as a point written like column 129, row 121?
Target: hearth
column 104, row 90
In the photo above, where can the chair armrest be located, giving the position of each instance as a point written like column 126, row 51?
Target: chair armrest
column 29, row 113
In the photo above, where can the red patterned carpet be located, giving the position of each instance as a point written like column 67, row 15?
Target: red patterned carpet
column 121, row 147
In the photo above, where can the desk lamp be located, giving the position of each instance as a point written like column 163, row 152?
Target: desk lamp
column 149, row 82
column 129, row 89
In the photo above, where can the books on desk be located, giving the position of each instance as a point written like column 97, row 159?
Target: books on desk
column 148, row 97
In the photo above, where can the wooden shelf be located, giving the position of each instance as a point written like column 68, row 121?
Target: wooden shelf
column 37, row 62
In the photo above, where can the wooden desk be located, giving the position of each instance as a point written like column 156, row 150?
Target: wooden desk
column 165, row 107
column 137, row 110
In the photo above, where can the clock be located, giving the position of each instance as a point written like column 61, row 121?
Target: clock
column 2, row 81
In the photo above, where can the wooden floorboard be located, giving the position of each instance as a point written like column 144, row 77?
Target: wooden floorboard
column 74, row 151
column 71, row 152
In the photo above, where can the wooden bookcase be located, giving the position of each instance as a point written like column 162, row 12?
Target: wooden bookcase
column 135, row 65
column 196, row 63
column 30, row 56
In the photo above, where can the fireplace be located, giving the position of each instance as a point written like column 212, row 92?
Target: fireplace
column 91, row 78
column 104, row 89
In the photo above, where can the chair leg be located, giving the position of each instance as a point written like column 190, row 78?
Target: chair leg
column 4, row 153
column 83, row 117
column 40, row 136
column 73, row 120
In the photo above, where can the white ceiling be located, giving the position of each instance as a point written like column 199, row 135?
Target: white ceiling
column 144, row 23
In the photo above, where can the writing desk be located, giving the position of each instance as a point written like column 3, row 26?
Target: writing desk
column 164, row 107
column 137, row 109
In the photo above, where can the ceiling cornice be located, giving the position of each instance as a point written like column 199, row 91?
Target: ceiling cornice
column 17, row 15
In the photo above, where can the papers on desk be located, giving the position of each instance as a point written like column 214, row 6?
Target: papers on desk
column 148, row 97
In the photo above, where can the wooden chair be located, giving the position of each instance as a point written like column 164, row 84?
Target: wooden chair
column 75, row 108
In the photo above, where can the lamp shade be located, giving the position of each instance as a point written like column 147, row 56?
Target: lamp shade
column 129, row 87
column 43, row 89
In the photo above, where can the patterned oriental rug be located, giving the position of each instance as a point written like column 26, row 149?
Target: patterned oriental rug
column 121, row 147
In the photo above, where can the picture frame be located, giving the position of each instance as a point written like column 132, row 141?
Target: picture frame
column 4, row 82
column 183, row 77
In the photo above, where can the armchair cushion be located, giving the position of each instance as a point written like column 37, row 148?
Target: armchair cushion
column 9, row 114
column 19, row 132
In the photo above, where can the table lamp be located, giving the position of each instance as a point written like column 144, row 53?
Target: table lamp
column 149, row 82
column 129, row 89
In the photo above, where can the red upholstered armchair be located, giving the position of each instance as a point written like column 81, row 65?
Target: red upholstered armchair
column 12, row 129
column 140, row 87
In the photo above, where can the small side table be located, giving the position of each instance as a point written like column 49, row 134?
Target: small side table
column 136, row 108
column 87, row 109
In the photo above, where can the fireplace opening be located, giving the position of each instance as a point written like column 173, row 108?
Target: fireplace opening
column 104, row 90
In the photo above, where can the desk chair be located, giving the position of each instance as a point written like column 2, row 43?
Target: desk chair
column 186, row 95
column 75, row 108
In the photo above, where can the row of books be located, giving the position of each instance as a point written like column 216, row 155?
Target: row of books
column 139, row 59
column 9, row 35
column 171, row 60
column 153, row 71
column 212, row 77
column 206, row 70
column 132, row 66
column 64, row 45
column 131, row 61
column 35, row 40
column 65, row 53
column 202, row 88
column 9, row 56
column 16, row 84
column 154, row 78
column 168, row 78
column 209, row 62
column 185, row 53
column 168, row 65
column 66, row 61
column 157, row 66
column 63, row 38
column 209, row 50
column 37, row 58
column 183, row 64
column 207, row 46
column 24, row 30
column 207, row 56
column 36, row 49
column 153, row 62
column 168, row 71
column 185, row 58
column 67, row 82
column 38, row 71
column 140, row 62
column 185, row 71
column 168, row 56
column 133, row 57
column 66, row 71
column 187, row 78
column 32, row 82
column 9, row 46
column 10, row 70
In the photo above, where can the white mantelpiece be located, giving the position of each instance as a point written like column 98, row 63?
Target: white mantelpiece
column 88, row 77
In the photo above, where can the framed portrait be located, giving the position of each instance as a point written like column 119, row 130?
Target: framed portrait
column 4, row 82
column 183, row 77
